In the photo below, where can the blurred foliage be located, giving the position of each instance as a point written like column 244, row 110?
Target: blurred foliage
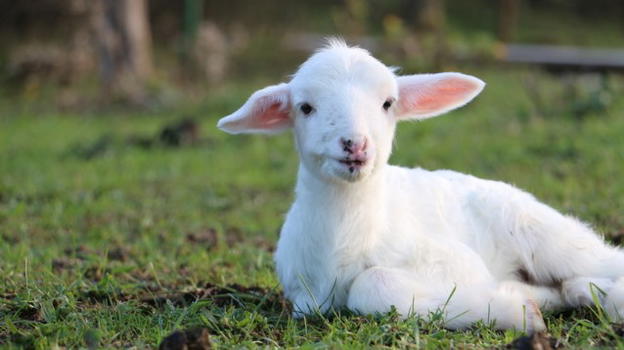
column 52, row 18
column 239, row 40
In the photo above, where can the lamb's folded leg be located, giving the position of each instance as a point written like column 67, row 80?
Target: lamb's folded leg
column 547, row 298
column 551, row 247
column 378, row 289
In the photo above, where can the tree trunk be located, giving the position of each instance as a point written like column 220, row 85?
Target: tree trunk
column 123, row 42
column 431, row 15
column 508, row 18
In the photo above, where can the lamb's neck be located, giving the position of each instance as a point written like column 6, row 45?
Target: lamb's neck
column 360, row 203
column 365, row 192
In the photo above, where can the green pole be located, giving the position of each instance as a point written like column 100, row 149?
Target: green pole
column 193, row 11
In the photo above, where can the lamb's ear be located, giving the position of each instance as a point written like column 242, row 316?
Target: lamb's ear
column 267, row 111
column 427, row 95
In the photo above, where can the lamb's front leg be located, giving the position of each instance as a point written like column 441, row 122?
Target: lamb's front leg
column 318, row 297
column 305, row 303
column 377, row 289
column 307, row 300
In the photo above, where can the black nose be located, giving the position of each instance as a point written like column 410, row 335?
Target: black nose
column 346, row 144
column 353, row 146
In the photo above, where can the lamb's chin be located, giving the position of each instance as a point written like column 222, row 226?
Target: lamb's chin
column 338, row 172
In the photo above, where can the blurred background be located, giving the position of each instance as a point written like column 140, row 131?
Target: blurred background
column 82, row 54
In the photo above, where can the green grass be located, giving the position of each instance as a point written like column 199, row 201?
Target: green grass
column 123, row 247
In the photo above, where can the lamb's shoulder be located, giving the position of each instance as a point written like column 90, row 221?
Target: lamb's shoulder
column 485, row 194
column 447, row 184
column 442, row 203
column 422, row 187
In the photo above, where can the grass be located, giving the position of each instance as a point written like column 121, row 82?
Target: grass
column 104, row 242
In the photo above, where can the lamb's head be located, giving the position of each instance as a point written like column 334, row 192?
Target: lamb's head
column 343, row 105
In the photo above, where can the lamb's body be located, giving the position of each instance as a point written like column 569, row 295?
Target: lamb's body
column 473, row 238
column 369, row 236
column 330, row 236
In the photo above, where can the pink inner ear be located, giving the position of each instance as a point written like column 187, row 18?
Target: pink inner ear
column 424, row 98
column 266, row 111
column 269, row 114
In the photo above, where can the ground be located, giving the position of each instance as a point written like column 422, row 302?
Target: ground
column 113, row 236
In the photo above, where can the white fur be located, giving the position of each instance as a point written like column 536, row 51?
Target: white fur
column 377, row 236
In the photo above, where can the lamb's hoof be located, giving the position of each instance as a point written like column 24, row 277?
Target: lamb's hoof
column 534, row 321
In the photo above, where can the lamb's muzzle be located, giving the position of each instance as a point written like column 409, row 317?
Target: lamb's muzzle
column 355, row 150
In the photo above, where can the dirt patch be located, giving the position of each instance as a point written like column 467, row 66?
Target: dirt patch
column 537, row 341
column 102, row 297
column 76, row 256
column 264, row 244
column 96, row 273
column 25, row 312
column 232, row 237
column 118, row 254
column 618, row 329
column 30, row 314
column 184, row 132
column 233, row 294
column 206, row 238
column 10, row 239
column 617, row 237
column 611, row 337
column 190, row 339
column 80, row 252
column 64, row 263
column 8, row 296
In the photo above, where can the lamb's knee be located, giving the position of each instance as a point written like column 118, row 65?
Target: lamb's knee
column 546, row 297
column 304, row 304
column 377, row 289
column 370, row 291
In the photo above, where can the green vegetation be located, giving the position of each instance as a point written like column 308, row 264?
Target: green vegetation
column 113, row 242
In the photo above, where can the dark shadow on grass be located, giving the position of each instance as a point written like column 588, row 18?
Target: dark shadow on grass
column 254, row 297
column 233, row 294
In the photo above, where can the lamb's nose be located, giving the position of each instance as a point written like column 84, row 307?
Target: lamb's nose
column 354, row 145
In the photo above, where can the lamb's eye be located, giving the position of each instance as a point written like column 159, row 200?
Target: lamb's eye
column 306, row 108
column 388, row 104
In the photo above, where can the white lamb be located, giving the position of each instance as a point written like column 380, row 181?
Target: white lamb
column 368, row 235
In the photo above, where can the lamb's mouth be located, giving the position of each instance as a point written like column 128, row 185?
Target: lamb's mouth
column 353, row 164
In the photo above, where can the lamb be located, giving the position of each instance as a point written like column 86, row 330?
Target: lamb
column 369, row 236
